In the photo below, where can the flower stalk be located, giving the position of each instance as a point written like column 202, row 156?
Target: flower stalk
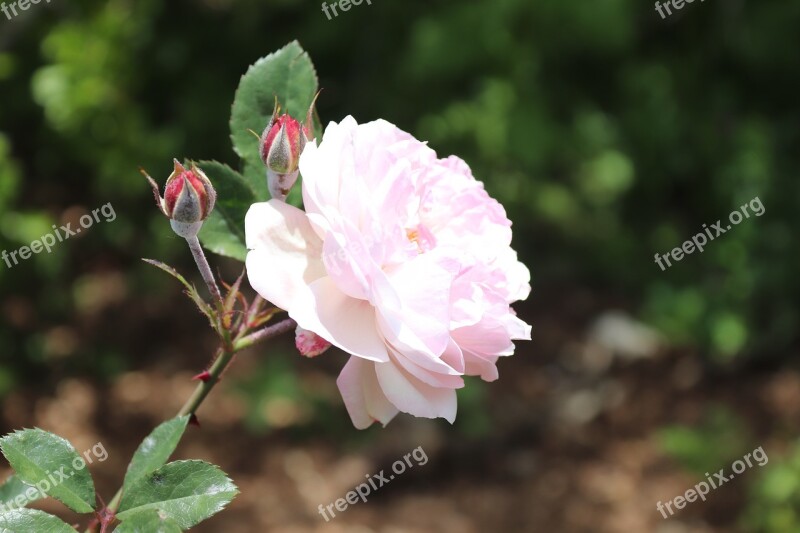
column 188, row 200
column 204, row 268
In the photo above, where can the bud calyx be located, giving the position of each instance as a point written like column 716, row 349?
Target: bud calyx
column 282, row 143
column 188, row 198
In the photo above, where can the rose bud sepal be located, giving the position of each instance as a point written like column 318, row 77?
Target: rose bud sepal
column 188, row 199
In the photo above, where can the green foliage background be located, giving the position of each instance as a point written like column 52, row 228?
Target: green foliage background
column 608, row 133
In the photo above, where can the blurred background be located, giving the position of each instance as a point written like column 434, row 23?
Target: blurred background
column 608, row 133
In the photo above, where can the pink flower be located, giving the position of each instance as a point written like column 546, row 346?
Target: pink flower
column 401, row 260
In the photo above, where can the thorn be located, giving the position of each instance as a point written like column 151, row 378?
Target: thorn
column 203, row 376
column 193, row 421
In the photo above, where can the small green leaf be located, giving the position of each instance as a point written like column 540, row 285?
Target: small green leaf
column 191, row 291
column 187, row 491
column 288, row 74
column 155, row 449
column 171, row 271
column 41, row 457
column 12, row 489
column 223, row 231
column 32, row 520
column 234, row 295
column 149, row 522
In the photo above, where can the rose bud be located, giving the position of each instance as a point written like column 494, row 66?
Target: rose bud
column 188, row 199
column 309, row 344
column 282, row 142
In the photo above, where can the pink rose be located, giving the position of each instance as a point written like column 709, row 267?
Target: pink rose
column 401, row 260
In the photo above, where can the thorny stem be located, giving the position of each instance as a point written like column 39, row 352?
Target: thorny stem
column 223, row 357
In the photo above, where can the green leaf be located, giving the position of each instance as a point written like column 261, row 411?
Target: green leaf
column 295, row 197
column 149, row 522
column 12, row 489
column 28, row 520
column 38, row 457
column 155, row 449
column 191, row 291
column 187, row 491
column 255, row 174
column 217, row 237
column 223, row 231
column 171, row 271
column 233, row 296
column 288, row 74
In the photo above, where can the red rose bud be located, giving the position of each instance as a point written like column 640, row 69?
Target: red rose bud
column 188, row 199
column 309, row 344
column 188, row 196
column 282, row 142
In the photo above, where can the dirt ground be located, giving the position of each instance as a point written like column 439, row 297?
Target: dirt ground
column 571, row 444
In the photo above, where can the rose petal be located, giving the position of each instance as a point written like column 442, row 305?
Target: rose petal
column 363, row 397
column 286, row 254
column 424, row 313
column 412, row 396
column 343, row 321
